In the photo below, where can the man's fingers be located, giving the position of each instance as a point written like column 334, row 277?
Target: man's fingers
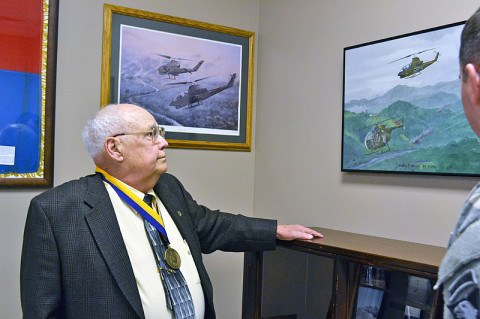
column 291, row 232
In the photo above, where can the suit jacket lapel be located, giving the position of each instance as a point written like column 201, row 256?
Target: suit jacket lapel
column 173, row 207
column 185, row 227
column 106, row 231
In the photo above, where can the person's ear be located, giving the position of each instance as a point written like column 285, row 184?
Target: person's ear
column 473, row 83
column 113, row 148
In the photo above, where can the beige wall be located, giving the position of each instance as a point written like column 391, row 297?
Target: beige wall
column 293, row 172
column 217, row 179
column 299, row 128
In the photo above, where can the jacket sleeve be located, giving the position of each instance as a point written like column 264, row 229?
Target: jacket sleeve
column 218, row 230
column 223, row 231
column 40, row 283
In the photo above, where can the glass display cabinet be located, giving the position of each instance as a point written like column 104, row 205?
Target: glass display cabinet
column 343, row 275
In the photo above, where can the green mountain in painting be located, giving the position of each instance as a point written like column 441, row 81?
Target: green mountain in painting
column 432, row 134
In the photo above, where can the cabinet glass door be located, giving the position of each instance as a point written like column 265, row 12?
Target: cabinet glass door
column 296, row 285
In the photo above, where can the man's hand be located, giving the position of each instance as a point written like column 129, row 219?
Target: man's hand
column 291, row 232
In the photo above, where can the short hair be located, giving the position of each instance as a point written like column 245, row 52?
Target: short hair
column 470, row 42
column 106, row 122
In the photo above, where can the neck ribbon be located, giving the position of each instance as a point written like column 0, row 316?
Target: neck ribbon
column 135, row 202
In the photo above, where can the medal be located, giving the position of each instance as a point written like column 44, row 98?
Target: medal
column 152, row 216
column 172, row 258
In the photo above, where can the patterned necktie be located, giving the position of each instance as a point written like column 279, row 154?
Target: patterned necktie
column 176, row 289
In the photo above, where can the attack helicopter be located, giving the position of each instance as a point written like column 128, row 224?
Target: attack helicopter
column 196, row 93
column 378, row 138
column 173, row 67
column 415, row 67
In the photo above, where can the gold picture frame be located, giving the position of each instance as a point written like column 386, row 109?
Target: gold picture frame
column 148, row 57
column 28, row 86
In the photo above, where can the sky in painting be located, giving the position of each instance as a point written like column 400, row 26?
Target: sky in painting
column 371, row 70
column 220, row 58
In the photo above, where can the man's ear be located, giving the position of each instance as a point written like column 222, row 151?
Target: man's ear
column 114, row 149
column 473, row 83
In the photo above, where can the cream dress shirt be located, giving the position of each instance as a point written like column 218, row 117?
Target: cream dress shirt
column 143, row 260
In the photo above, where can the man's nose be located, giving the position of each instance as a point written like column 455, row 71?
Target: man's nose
column 162, row 144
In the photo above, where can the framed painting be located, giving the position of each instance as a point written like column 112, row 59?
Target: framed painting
column 402, row 107
column 195, row 78
column 28, row 40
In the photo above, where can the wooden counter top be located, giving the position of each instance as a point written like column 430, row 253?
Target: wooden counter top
column 374, row 250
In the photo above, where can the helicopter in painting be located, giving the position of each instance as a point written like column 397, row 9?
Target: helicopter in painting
column 415, row 67
column 173, row 67
column 377, row 139
column 196, row 94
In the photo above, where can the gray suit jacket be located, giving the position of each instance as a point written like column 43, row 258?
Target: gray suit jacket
column 75, row 263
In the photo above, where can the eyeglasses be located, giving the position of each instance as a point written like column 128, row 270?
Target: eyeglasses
column 154, row 134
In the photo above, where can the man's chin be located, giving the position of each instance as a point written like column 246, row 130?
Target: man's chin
column 162, row 169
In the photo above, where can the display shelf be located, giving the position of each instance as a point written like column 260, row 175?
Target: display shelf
column 321, row 278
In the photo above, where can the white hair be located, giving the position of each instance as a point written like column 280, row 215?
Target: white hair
column 106, row 122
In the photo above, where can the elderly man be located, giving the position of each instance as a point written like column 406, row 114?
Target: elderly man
column 459, row 273
column 127, row 242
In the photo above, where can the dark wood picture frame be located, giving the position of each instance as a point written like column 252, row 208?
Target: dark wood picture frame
column 402, row 108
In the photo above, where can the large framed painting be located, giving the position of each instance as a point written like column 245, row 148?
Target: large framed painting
column 402, row 108
column 28, row 39
column 195, row 78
